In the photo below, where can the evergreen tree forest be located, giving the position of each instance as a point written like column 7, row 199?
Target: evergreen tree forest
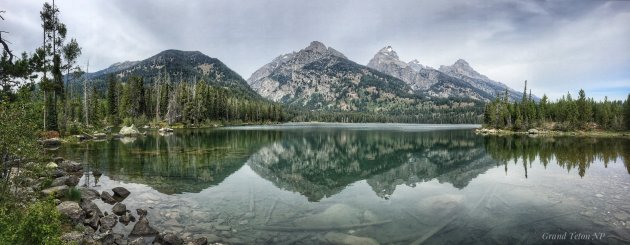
column 564, row 114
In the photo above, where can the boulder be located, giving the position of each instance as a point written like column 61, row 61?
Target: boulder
column 345, row 239
column 88, row 194
column 120, row 193
column 90, row 207
column 129, row 131
column 141, row 212
column 107, row 198
column 72, row 181
column 108, row 222
column 57, row 191
column 59, row 181
column 143, row 228
column 71, row 166
column 74, row 237
column 57, row 172
column 168, row 239
column 72, row 211
column 125, row 218
column 119, row 209
column 92, row 220
column 52, row 142
column 81, row 137
column 532, row 131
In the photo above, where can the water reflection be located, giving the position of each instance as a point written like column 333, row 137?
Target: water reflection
column 567, row 152
column 189, row 161
column 321, row 162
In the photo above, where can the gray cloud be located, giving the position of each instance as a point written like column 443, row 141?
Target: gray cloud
column 558, row 46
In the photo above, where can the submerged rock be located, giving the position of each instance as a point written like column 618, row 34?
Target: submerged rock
column 137, row 241
column 107, row 198
column 335, row 215
column 119, row 209
column 436, row 207
column 345, row 239
column 168, row 239
column 120, row 193
column 143, row 228
column 72, row 211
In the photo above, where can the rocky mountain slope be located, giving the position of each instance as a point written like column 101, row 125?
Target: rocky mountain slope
column 459, row 80
column 321, row 78
column 178, row 66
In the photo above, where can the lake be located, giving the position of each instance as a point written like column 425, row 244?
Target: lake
column 393, row 183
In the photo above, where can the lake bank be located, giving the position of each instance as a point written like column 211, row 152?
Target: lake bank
column 552, row 133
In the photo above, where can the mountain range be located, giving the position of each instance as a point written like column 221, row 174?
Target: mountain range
column 320, row 78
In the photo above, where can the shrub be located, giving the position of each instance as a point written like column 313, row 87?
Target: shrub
column 74, row 194
column 40, row 223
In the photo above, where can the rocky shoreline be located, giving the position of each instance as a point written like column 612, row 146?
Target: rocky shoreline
column 543, row 132
column 93, row 226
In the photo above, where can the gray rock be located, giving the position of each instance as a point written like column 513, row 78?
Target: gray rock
column 141, row 212
column 71, row 166
column 59, row 181
column 72, row 237
column 129, row 131
column 168, row 239
column 57, row 172
column 137, row 241
column 72, row 211
column 92, row 220
column 125, row 218
column 532, row 131
column 56, row 192
column 72, row 181
column 108, row 222
column 88, row 194
column 120, row 193
column 143, row 228
column 90, row 207
column 107, row 198
column 119, row 209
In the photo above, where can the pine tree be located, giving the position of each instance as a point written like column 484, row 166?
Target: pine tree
column 626, row 113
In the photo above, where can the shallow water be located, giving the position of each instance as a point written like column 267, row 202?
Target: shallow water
column 395, row 183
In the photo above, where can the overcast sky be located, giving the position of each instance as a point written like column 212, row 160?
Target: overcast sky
column 558, row 46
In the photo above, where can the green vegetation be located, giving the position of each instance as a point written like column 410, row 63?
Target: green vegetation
column 39, row 223
column 565, row 114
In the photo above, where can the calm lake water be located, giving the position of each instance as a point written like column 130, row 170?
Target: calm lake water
column 395, row 183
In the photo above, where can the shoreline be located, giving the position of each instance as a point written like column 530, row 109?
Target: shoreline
column 553, row 133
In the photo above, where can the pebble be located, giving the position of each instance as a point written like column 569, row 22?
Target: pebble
column 599, row 195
